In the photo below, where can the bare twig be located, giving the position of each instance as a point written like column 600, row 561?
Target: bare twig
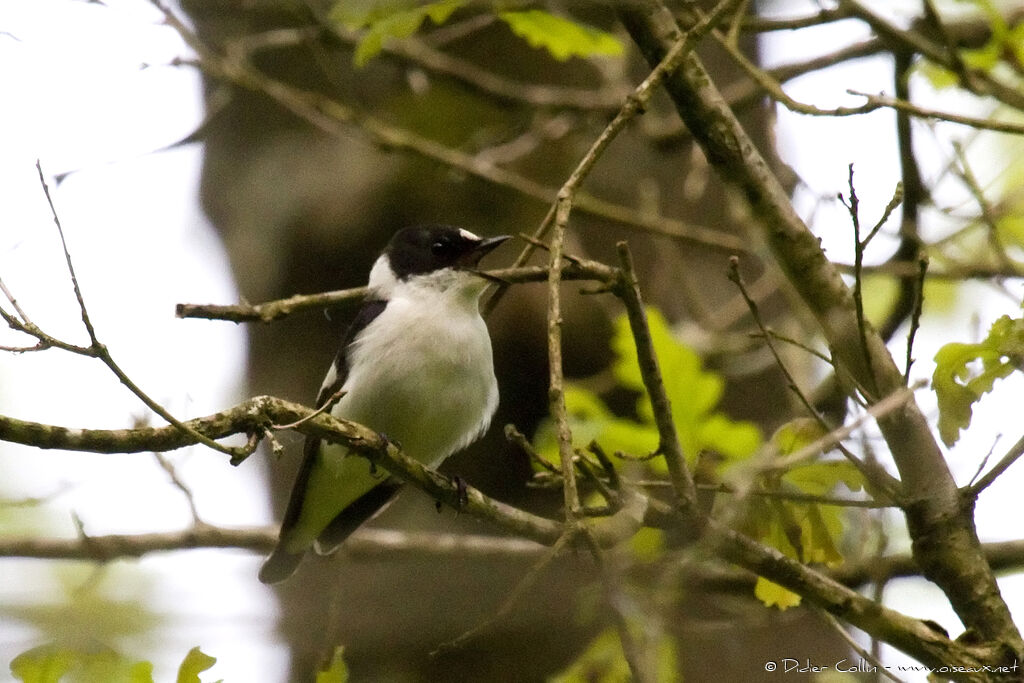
column 522, row 587
column 180, row 484
column 989, row 123
column 668, row 438
column 988, row 215
column 97, row 349
column 866, row 656
column 556, row 389
column 365, row 542
column 876, row 476
column 275, row 310
column 325, row 408
column 915, row 316
column 1011, row 456
column 852, row 203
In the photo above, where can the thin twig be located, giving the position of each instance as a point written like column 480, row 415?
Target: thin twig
column 915, row 316
column 67, row 258
column 866, row 656
column 638, row 654
column 975, row 122
column 988, row 214
column 885, row 482
column 269, row 311
column 14, row 303
column 668, row 438
column 852, row 204
column 98, row 350
column 522, row 587
column 180, row 484
column 517, row 438
column 1011, row 456
column 326, row 407
column 556, row 389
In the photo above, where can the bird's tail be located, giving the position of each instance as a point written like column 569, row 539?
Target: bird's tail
column 280, row 565
column 362, row 509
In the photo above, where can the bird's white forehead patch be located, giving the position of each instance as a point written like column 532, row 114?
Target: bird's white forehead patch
column 466, row 234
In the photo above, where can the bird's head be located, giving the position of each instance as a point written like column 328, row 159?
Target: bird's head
column 438, row 257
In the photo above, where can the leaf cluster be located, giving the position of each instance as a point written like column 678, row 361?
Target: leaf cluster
column 802, row 529
column 381, row 20
column 966, row 372
column 51, row 663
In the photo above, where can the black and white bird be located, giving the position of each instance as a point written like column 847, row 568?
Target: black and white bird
column 416, row 365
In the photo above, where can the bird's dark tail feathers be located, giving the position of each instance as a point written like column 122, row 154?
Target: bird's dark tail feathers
column 362, row 510
column 280, row 565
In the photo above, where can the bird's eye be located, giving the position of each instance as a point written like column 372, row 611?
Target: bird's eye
column 439, row 247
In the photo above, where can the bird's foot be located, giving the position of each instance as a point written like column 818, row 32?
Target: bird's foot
column 462, row 490
column 461, row 494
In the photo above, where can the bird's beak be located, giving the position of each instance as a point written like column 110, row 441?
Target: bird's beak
column 472, row 257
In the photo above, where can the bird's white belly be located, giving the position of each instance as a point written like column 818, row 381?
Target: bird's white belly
column 432, row 388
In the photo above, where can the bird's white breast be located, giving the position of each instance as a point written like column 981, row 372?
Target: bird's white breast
column 422, row 373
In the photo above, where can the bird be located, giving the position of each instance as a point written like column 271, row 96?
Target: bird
column 416, row 366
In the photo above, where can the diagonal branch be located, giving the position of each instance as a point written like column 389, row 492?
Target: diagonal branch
column 945, row 539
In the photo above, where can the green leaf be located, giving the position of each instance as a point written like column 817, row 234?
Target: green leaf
column 1011, row 228
column 601, row 662
column 959, row 381
column 984, row 58
column 820, row 528
column 647, row 544
column 336, row 671
column 604, row 662
column 765, row 590
column 879, row 292
column 195, row 662
column 52, row 663
column 805, row 531
column 820, row 478
column 561, row 37
column 939, row 77
column 388, row 19
column 44, row 664
column 774, row 595
column 1015, row 39
column 590, row 420
column 693, row 392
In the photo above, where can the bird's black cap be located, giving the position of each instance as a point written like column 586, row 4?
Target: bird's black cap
column 427, row 248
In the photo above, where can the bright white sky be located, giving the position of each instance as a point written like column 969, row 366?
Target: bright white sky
column 76, row 98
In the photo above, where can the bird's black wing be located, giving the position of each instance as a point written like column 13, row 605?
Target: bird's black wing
column 281, row 564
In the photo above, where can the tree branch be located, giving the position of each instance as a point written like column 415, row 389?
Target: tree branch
column 576, row 269
column 263, row 412
column 945, row 540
